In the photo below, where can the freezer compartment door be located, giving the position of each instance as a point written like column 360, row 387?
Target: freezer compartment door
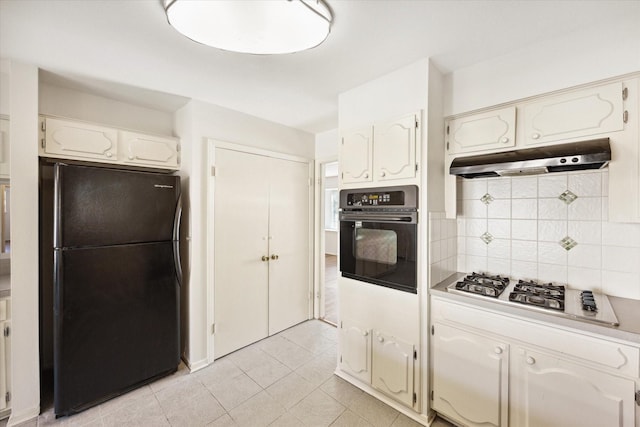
column 99, row 207
column 116, row 321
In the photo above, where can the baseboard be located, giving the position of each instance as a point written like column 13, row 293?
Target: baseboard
column 28, row 415
column 195, row 366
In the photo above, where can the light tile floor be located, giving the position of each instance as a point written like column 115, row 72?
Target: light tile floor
column 284, row 380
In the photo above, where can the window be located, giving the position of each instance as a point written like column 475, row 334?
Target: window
column 331, row 209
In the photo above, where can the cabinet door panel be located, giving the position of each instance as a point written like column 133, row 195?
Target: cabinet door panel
column 356, row 156
column 289, row 276
column 80, row 140
column 550, row 391
column 485, row 131
column 393, row 367
column 394, row 149
column 355, row 356
column 148, row 150
column 582, row 113
column 470, row 377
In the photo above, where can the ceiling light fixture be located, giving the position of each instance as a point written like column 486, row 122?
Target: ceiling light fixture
column 261, row 27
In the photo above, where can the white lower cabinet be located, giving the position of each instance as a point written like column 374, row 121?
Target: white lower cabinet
column 549, row 390
column 380, row 360
column 393, row 363
column 492, row 369
column 470, row 377
column 355, row 358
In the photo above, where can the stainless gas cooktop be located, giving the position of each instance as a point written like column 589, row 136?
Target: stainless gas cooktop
column 549, row 298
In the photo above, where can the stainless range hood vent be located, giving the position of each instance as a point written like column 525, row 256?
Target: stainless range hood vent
column 593, row 154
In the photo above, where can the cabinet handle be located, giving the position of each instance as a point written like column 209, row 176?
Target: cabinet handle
column 535, row 136
column 274, row 257
column 530, row 360
column 381, row 339
column 504, row 140
column 382, row 174
column 265, row 258
column 497, row 350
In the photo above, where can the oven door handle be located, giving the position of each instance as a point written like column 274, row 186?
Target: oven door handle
column 407, row 218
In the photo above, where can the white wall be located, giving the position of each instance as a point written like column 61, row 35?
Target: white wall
column 545, row 67
column 195, row 123
column 398, row 93
column 23, row 108
column 65, row 102
column 327, row 144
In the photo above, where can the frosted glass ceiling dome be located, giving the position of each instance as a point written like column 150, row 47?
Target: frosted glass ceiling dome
column 252, row 26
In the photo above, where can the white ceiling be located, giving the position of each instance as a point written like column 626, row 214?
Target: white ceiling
column 96, row 43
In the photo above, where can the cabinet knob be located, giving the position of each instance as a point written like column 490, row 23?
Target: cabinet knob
column 130, row 157
column 530, row 360
column 504, row 140
column 274, row 257
column 497, row 350
column 108, row 154
column 365, row 333
column 535, row 136
column 381, row 339
column 366, row 175
column 265, row 258
column 382, row 174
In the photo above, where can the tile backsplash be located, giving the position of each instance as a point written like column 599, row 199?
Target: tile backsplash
column 546, row 227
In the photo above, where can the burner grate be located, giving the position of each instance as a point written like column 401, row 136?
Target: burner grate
column 483, row 284
column 544, row 295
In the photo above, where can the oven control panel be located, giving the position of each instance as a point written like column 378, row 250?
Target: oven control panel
column 398, row 198
column 391, row 198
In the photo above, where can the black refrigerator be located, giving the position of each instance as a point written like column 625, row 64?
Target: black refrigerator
column 116, row 281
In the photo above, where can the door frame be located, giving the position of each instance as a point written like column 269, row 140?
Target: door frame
column 212, row 144
column 319, row 265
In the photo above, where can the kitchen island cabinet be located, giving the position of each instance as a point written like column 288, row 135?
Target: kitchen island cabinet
column 557, row 375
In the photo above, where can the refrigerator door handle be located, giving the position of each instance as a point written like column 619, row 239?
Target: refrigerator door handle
column 176, row 240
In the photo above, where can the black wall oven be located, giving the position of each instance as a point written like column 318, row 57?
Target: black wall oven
column 378, row 236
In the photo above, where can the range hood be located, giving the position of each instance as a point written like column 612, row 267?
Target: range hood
column 592, row 154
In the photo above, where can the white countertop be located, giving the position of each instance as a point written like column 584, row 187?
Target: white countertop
column 627, row 311
column 5, row 286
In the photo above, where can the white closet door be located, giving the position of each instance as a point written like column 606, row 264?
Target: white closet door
column 289, row 275
column 241, row 209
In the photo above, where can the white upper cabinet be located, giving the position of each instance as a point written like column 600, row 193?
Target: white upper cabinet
column 74, row 140
column 394, row 149
column 384, row 152
column 356, row 156
column 581, row 113
column 491, row 130
column 5, row 148
column 148, row 150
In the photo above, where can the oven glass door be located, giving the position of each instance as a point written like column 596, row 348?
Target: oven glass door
column 379, row 252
